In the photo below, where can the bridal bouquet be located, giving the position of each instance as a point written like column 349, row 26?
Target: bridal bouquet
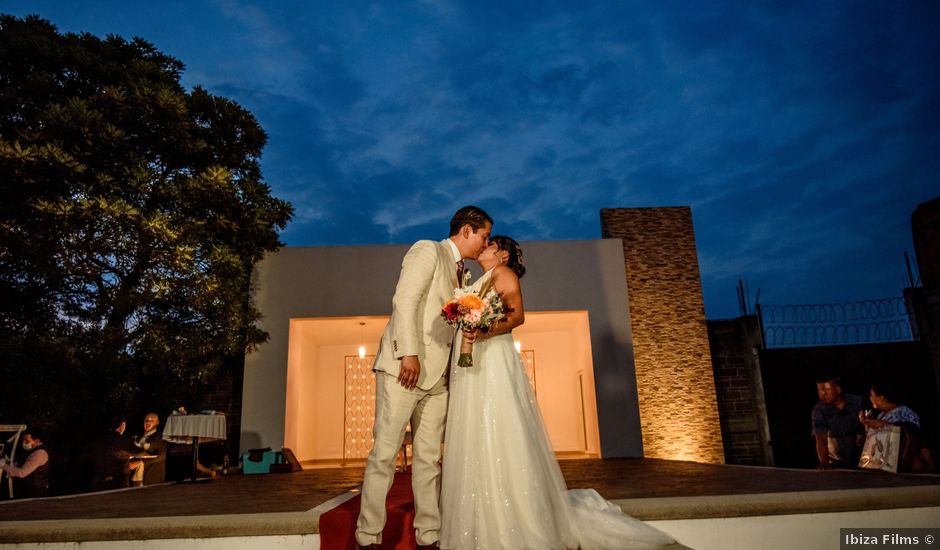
column 469, row 310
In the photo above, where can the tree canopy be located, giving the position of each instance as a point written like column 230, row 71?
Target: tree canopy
column 132, row 214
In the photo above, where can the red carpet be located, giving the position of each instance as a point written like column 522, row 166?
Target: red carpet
column 338, row 526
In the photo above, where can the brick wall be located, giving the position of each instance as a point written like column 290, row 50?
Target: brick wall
column 734, row 346
column 675, row 382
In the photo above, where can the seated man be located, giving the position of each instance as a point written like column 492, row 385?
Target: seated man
column 30, row 471
column 111, row 454
column 836, row 426
column 154, row 464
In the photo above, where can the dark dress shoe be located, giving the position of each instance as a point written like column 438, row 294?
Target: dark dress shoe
column 432, row 546
column 373, row 546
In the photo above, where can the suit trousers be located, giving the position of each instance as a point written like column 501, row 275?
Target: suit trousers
column 394, row 407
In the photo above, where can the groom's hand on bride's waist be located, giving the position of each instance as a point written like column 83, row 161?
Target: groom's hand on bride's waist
column 410, row 368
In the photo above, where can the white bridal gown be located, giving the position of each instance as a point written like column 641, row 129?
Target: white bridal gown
column 502, row 487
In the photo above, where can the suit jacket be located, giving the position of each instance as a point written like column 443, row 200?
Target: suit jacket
column 111, row 453
column 427, row 281
column 155, row 464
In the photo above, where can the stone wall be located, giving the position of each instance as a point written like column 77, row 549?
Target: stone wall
column 225, row 396
column 734, row 346
column 923, row 302
column 675, row 381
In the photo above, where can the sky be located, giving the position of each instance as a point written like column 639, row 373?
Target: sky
column 802, row 134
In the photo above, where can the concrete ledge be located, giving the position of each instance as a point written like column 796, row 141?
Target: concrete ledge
column 307, row 523
column 177, row 527
column 772, row 504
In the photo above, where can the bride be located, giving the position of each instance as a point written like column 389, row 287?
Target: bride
column 502, row 487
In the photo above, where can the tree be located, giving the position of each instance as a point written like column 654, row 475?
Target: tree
column 133, row 212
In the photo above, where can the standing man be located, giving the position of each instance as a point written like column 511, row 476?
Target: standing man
column 411, row 377
column 838, row 431
column 30, row 473
column 154, row 464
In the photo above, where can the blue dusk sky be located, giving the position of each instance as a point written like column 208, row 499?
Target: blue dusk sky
column 802, row 134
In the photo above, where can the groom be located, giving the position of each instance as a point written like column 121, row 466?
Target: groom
column 411, row 376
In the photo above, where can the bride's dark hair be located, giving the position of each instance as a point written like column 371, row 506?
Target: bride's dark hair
column 514, row 261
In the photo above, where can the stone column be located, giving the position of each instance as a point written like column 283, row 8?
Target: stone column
column 675, row 381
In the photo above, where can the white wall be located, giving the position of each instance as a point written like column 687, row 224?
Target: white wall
column 314, row 407
column 586, row 369
column 562, row 345
column 778, row 532
column 327, row 401
column 305, row 283
column 560, row 355
column 315, row 394
column 803, row 531
column 556, row 381
column 293, row 386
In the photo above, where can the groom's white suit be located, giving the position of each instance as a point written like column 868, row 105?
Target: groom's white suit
column 427, row 281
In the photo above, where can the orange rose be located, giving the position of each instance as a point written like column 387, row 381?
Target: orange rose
column 471, row 301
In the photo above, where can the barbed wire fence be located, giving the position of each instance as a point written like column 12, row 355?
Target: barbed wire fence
column 859, row 322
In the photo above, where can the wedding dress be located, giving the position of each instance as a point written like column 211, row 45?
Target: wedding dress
column 501, row 485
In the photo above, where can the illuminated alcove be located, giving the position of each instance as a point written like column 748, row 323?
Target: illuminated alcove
column 327, row 404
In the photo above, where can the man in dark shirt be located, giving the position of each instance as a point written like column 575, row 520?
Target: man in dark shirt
column 838, row 431
column 154, row 465
column 111, row 454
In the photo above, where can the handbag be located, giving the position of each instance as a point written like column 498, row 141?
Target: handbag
column 881, row 449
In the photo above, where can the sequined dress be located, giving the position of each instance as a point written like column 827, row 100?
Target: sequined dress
column 501, row 486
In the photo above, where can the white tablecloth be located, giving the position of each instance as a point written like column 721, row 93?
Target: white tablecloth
column 182, row 428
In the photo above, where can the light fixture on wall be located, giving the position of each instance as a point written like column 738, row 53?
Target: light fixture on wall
column 518, row 346
column 362, row 345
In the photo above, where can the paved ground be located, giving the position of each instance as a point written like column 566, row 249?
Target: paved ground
column 301, row 491
column 648, row 478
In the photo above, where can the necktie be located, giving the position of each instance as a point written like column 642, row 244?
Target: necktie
column 460, row 271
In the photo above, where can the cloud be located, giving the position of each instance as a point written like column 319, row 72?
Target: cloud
column 802, row 134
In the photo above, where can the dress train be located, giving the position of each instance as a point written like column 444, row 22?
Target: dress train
column 502, row 487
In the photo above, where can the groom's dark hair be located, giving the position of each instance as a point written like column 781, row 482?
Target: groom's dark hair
column 472, row 215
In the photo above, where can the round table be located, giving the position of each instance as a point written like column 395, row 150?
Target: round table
column 192, row 429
